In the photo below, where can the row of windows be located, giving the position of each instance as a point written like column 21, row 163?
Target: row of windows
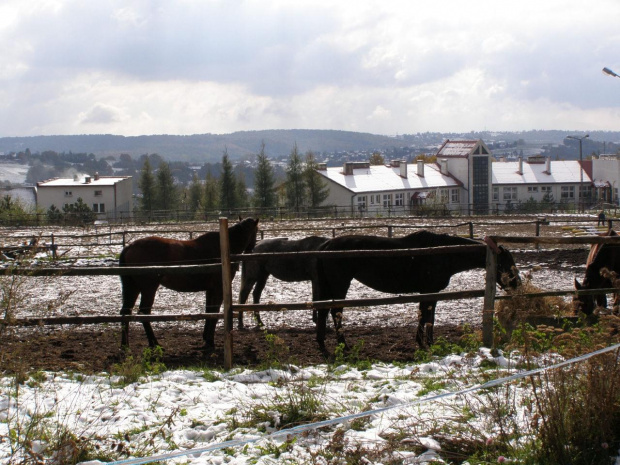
column 70, row 193
column 398, row 199
column 566, row 192
column 97, row 207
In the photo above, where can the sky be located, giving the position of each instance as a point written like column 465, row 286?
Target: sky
column 383, row 67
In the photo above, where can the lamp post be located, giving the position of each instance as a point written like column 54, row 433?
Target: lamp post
column 580, row 139
column 610, row 73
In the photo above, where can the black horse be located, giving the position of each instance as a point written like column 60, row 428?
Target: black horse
column 158, row 251
column 601, row 257
column 424, row 274
column 255, row 273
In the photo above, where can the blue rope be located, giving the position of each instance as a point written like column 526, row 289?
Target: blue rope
column 312, row 426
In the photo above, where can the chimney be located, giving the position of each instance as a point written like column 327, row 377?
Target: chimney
column 347, row 169
column 321, row 166
column 96, row 175
column 520, row 170
column 403, row 169
column 420, row 165
column 444, row 166
column 548, row 165
column 76, row 178
column 87, row 179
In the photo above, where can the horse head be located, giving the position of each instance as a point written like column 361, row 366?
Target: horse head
column 507, row 272
column 582, row 303
column 250, row 228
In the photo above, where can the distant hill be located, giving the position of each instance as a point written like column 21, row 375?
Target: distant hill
column 278, row 142
column 203, row 147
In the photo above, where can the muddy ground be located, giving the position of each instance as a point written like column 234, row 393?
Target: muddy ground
column 96, row 348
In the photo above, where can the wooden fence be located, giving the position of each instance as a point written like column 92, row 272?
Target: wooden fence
column 230, row 309
column 58, row 244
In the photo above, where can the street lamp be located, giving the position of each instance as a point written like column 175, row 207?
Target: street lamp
column 610, row 73
column 580, row 139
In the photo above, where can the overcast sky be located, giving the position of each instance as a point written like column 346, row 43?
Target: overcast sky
column 384, row 67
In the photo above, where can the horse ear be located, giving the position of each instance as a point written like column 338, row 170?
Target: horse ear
column 577, row 285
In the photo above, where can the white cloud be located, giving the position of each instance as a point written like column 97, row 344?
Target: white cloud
column 190, row 66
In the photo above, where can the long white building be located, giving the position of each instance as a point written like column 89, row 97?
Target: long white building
column 466, row 178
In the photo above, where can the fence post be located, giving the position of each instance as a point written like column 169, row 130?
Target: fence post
column 488, row 309
column 124, row 240
column 227, row 291
column 390, row 231
column 471, row 230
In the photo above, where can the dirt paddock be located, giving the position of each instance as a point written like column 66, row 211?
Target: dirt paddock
column 380, row 334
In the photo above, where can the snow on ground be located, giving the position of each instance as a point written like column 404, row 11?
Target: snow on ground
column 181, row 410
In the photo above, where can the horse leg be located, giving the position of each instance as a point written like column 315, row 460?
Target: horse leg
column 321, row 327
column 130, row 295
column 247, row 282
column 337, row 318
column 426, row 319
column 146, row 303
column 258, row 290
column 214, row 302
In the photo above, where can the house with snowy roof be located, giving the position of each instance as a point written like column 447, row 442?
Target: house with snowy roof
column 459, row 180
column 110, row 197
column 540, row 179
column 465, row 177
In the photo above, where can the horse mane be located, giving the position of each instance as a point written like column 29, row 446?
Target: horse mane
column 426, row 238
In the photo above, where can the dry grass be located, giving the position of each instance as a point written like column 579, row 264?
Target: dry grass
column 511, row 312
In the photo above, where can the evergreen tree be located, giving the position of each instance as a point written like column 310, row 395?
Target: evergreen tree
column 317, row 189
column 146, row 183
column 264, row 191
column 195, row 194
column 228, row 189
column 166, row 194
column 295, row 186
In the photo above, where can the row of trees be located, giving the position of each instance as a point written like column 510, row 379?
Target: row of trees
column 303, row 186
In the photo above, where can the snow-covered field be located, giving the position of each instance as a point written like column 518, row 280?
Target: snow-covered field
column 13, row 172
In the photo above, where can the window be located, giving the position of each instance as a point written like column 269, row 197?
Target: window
column 361, row 201
column 531, row 189
column 99, row 207
column 98, row 193
column 68, row 194
column 372, row 200
column 545, row 188
column 568, row 192
column 387, row 200
column 443, row 195
column 496, row 193
column 399, row 199
column 96, row 207
column 455, row 196
column 510, row 193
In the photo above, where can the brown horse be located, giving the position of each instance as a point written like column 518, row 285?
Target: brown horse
column 396, row 275
column 601, row 257
column 158, row 251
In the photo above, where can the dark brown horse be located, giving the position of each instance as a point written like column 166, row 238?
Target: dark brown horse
column 158, row 251
column 255, row 273
column 395, row 275
column 601, row 257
